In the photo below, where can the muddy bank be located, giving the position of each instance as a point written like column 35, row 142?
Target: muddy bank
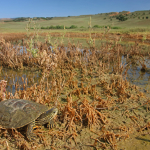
column 98, row 107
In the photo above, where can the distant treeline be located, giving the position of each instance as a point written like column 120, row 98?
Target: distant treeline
column 60, row 27
column 97, row 26
column 74, row 27
column 20, row 19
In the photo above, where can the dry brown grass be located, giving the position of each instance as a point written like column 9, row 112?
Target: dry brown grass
column 87, row 96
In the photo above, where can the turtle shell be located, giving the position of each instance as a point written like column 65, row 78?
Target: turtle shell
column 16, row 113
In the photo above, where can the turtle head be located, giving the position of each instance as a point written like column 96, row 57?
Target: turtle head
column 51, row 113
column 47, row 116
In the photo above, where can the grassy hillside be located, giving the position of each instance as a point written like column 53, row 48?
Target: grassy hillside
column 135, row 20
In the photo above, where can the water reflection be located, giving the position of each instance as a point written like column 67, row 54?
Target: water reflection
column 28, row 78
column 136, row 76
column 16, row 79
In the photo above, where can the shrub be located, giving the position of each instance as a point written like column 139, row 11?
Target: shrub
column 67, row 27
column 116, row 28
column 52, row 27
column 43, row 27
column 73, row 27
column 107, row 26
column 97, row 26
column 59, row 27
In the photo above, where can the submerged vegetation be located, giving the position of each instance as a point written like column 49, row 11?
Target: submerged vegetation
column 98, row 107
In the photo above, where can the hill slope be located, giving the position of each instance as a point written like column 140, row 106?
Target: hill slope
column 137, row 19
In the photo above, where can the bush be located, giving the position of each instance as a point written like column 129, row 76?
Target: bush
column 97, row 26
column 116, row 28
column 107, row 26
column 73, row 27
column 52, row 27
column 59, row 27
column 67, row 27
column 43, row 27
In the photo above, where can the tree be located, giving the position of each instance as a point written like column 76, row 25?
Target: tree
column 121, row 17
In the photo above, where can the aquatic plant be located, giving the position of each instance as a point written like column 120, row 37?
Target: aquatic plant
column 31, row 49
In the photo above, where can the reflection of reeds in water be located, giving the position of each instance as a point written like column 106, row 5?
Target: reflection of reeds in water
column 3, row 85
column 77, row 80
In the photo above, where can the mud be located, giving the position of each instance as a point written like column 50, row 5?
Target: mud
column 98, row 107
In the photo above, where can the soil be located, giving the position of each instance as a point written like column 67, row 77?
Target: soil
column 115, row 112
column 127, row 128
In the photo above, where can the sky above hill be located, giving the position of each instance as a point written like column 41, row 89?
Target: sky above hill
column 60, row 8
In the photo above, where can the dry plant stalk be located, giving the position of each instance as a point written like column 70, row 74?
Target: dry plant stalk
column 74, row 78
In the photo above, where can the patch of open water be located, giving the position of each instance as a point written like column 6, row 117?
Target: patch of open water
column 20, row 77
column 134, row 74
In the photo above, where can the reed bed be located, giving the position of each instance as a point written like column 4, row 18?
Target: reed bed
column 98, row 107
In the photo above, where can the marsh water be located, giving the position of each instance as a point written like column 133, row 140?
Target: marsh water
column 138, row 77
column 29, row 77
column 16, row 79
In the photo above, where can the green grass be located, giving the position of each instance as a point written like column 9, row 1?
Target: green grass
column 132, row 23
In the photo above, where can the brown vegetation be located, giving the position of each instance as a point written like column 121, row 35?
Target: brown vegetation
column 97, row 106
column 16, row 37
column 117, row 13
column 114, row 14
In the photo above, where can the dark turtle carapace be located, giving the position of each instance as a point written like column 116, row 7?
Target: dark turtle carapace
column 17, row 113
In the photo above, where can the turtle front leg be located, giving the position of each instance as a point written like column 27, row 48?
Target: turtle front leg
column 50, row 124
column 29, row 133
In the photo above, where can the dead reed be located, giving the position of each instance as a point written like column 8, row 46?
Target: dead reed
column 88, row 86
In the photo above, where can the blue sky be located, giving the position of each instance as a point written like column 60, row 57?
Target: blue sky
column 57, row 8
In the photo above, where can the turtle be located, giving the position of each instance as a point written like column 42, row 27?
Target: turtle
column 17, row 113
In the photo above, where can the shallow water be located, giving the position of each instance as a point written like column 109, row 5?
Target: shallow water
column 20, row 77
column 134, row 75
column 13, row 77
column 137, row 77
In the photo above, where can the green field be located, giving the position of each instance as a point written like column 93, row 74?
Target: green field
column 138, row 21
